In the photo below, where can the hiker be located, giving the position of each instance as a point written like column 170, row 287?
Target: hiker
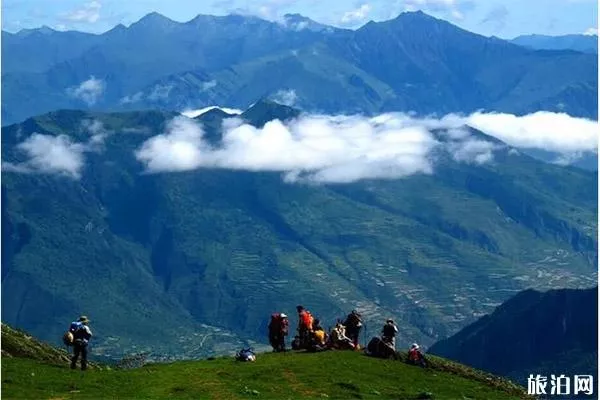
column 305, row 322
column 389, row 332
column 416, row 357
column 353, row 324
column 319, row 334
column 278, row 330
column 338, row 338
column 81, row 336
column 378, row 348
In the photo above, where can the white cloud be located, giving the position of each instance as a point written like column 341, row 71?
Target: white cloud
column 208, row 85
column 550, row 131
column 97, row 131
column 313, row 148
column 58, row 154
column 135, row 98
column 89, row 91
column 196, row 113
column 350, row 148
column 591, row 32
column 180, row 149
column 160, row 92
column 472, row 151
column 89, row 13
column 356, row 16
column 285, row 97
column 49, row 154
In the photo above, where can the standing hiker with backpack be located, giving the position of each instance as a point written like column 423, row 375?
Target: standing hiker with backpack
column 305, row 322
column 353, row 324
column 389, row 332
column 81, row 334
column 278, row 330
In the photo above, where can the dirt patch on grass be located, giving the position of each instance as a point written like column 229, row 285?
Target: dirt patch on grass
column 295, row 384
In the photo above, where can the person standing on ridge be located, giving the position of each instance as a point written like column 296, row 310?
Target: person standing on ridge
column 305, row 321
column 353, row 324
column 81, row 337
column 389, row 332
column 278, row 330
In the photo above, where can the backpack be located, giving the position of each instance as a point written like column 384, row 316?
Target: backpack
column 377, row 348
column 275, row 323
column 69, row 336
column 307, row 319
column 245, row 355
column 389, row 331
column 353, row 321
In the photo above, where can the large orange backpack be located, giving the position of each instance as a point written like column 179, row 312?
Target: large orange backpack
column 307, row 319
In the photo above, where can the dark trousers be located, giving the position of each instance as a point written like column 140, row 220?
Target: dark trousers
column 353, row 332
column 277, row 341
column 305, row 336
column 79, row 348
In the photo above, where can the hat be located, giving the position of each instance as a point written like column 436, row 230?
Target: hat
column 414, row 346
column 84, row 319
column 390, row 320
column 282, row 315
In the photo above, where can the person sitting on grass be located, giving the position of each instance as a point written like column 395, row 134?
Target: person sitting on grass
column 415, row 356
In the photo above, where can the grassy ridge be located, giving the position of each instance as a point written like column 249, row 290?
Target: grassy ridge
column 334, row 374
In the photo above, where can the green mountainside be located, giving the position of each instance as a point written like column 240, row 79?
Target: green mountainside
column 536, row 332
column 193, row 263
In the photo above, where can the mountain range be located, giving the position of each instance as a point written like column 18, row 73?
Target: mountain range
column 553, row 332
column 581, row 43
column 413, row 63
column 189, row 255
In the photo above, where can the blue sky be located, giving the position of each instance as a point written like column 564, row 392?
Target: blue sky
column 503, row 18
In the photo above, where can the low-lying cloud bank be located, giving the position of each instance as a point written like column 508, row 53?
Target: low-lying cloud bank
column 58, row 154
column 545, row 130
column 351, row 148
column 320, row 148
column 326, row 149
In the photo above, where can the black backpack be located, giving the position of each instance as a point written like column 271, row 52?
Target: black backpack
column 246, row 355
column 389, row 331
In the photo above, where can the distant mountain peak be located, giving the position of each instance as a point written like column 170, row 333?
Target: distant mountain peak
column 265, row 110
column 416, row 14
column 155, row 16
column 300, row 22
column 118, row 28
column 154, row 19
column 44, row 30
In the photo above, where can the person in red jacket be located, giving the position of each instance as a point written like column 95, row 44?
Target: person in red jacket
column 278, row 330
column 415, row 356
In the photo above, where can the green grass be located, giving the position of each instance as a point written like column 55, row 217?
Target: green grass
column 333, row 374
